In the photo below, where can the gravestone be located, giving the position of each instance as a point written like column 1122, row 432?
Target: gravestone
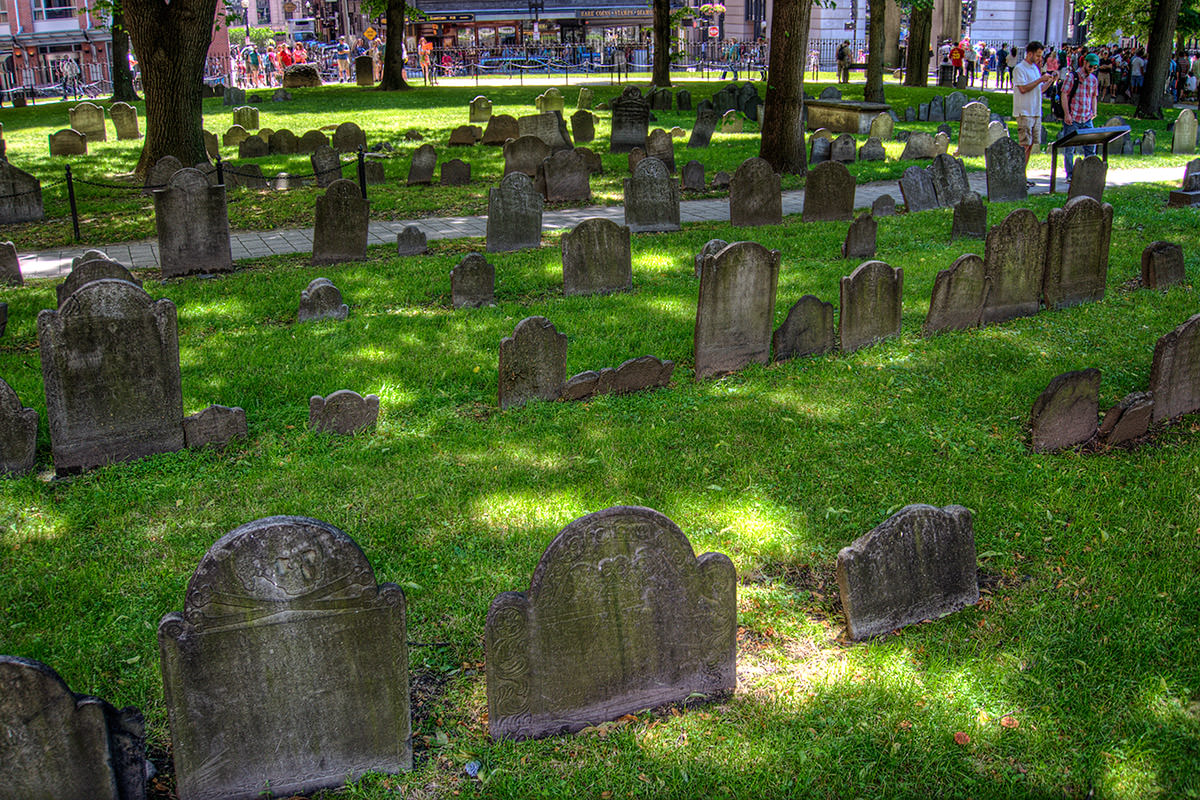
column 92, row 268
column 284, row 182
column 919, row 145
column 959, row 294
column 514, row 214
column 311, row 141
column 247, row 117
column 1128, row 419
column 883, row 206
column 1077, row 253
column 944, row 130
column 1014, row 258
column 1065, row 414
column 233, row 96
column 860, row 238
column 249, row 176
column 348, row 137
column 970, row 218
column 683, row 100
column 500, row 128
column 533, row 363
column 651, row 198
column 736, row 308
column 420, row 169
column 660, row 145
column 710, row 248
column 820, row 150
column 635, row 157
column 364, row 71
column 88, row 119
column 124, row 117
column 910, row 114
column 633, row 375
column 843, row 149
column 215, row 426
column 1191, row 176
column 882, row 127
column 807, row 330
column 828, row 193
column 549, row 127
column 253, row 147
column 590, row 160
column 721, row 179
column 473, row 283
column 973, row 130
column 300, row 75
column 340, row 232
column 1175, row 371
column 916, row 187
column 321, row 300
column 211, row 146
column 585, row 98
column 193, row 226
column 937, row 109
column 68, row 142
column 620, row 616
column 20, row 195
column 326, row 165
column 956, row 103
column 525, row 154
column 830, row 93
column 110, row 367
column 462, row 136
column 996, row 131
column 480, row 109
column 344, row 412
column 1147, row 143
column 659, row 99
column 160, row 174
column 872, row 150
column 284, row 142
column 455, row 172
column 550, row 100
column 10, row 265
column 950, row 182
column 918, row 564
column 18, row 441
column 583, row 126
column 564, row 178
column 731, row 123
column 411, row 242
column 1005, row 166
column 691, row 177
column 596, row 258
column 1162, row 265
column 870, row 305
column 262, row 610
column 755, row 197
column 706, row 125
column 373, row 173
column 281, row 96
column 631, row 122
column 1183, row 139
column 1089, row 178
column 61, row 745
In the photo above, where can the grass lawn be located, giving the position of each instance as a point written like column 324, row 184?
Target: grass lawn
column 1087, row 634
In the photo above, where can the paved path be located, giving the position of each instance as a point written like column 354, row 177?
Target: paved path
column 256, row 244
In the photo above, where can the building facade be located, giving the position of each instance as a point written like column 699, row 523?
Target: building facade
column 35, row 35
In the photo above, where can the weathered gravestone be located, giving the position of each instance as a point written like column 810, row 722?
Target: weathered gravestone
column 691, row 177
column 564, row 178
column 533, row 363
column 651, row 198
column 916, row 187
column 284, row 142
column 736, row 308
column 820, row 150
column 88, row 119
column 514, row 214
column 828, row 194
column 92, row 266
column 959, row 294
column 18, row 447
column 247, row 117
column 326, row 165
column 20, row 195
column 882, row 127
column 480, row 109
column 710, row 248
column 596, row 258
column 1148, row 143
column 633, row 375
column 253, row 147
column 455, row 172
column 970, row 218
column 1162, row 265
column 411, row 241
column 683, row 100
column 591, row 160
column 956, row 103
column 918, row 564
column 918, row 145
column 860, row 238
column 550, row 100
column 235, row 136
column 500, row 128
column 706, row 125
column 1077, row 253
column 1015, row 259
column 364, row 71
column 1089, row 178
column 373, row 173
column 68, row 142
column 299, row 75
column 124, row 117
column 950, row 182
column 233, row 96
column 192, row 222
column 348, row 137
column 262, row 611
column 59, row 745
column 1066, row 413
column 321, row 300
column 110, row 366
column 525, row 154
column 870, row 305
column 755, row 197
column 340, row 232
column 807, row 330
column 549, row 127
column 585, row 98
column 1127, row 420
column 659, row 99
column 910, row 114
column 630, row 122
column 420, row 169
column 215, row 426
column 830, row 93
column 973, row 130
column 721, row 179
column 872, row 150
column 620, row 616
column 10, row 265
column 843, row 149
column 310, row 141
column 997, row 130
column 660, row 145
column 583, row 126
column 731, row 122
column 344, row 412
column 937, row 109
column 1005, row 166
column 1183, row 139
column 463, row 136
column 1175, row 371
column 473, row 283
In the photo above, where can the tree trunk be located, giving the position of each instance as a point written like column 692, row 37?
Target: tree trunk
column 393, row 51
column 782, row 142
column 916, row 60
column 1158, row 56
column 171, row 40
column 122, row 76
column 873, row 93
column 661, row 75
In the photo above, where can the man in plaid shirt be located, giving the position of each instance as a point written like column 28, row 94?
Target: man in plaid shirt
column 1081, row 111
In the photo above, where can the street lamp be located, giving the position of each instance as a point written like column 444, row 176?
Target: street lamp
column 536, row 7
column 246, row 18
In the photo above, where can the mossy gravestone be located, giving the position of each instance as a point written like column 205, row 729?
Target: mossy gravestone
column 345, row 412
column 736, row 308
column 192, row 221
column 533, row 363
column 88, row 119
column 525, row 154
column 18, row 433
column 1065, row 414
column 620, row 616
column 808, row 330
column 918, row 564
column 342, row 217
column 829, row 193
column 870, row 305
column 473, row 282
column 1077, row 253
column 514, row 214
column 959, row 294
column 1175, row 371
column 321, row 300
column 92, row 266
column 755, row 197
column 1014, row 258
column 287, row 671
column 124, row 117
column 630, row 121
column 1162, row 265
column 596, row 258
column 651, row 198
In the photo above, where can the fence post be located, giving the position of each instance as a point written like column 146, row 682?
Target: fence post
column 220, row 170
column 71, row 200
column 362, row 172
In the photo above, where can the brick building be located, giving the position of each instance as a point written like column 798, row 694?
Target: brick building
column 36, row 34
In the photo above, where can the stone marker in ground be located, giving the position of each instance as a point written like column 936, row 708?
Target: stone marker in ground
column 563, row 177
column 234, row 96
column 872, row 150
column 68, row 142
column 160, row 174
column 10, row 265
column 247, row 117
column 192, row 222
column 660, row 145
column 630, row 121
column 344, row 412
column 533, row 363
column 829, row 193
column 820, row 150
column 870, row 305
column 997, row 130
column 916, row 186
column 310, row 141
column 843, row 149
column 525, row 154
column 736, row 308
column 1162, row 265
column 364, row 71
column 635, row 157
column 1015, row 259
column 950, row 182
column 455, row 172
column 473, row 283
column 918, row 564
column 683, row 100
column 88, row 119
column 480, row 109
column 300, row 75
column 342, row 217
column 937, row 109
column 830, row 93
column 1089, row 178
column 970, row 218
column 620, row 616
column 583, row 126
column 883, row 206
column 1148, row 143
column 1175, row 371
column 247, row 176
column 596, row 258
column 59, row 745
column 706, row 125
column 1005, row 168
column 18, row 437
column 860, row 238
column 262, row 609
column 731, row 122
column 882, row 127
column 253, row 147
column 110, row 367
column 710, row 248
column 651, row 198
column 959, row 294
column 215, row 426
column 325, row 165
column 500, row 128
column 20, row 195
column 1066, row 413
column 807, row 330
column 591, row 160
column 691, row 177
column 1077, row 253
column 550, row 100
column 973, row 130
column 547, row 126
column 633, row 375
column 721, row 179
column 411, row 242
column 284, row 142
column 321, row 300
column 124, row 117
column 1128, row 419
column 462, row 136
column 585, row 98
column 919, row 145
column 956, row 103
column 348, row 137
column 514, row 214
column 1183, row 138
column 754, row 195
column 373, row 173
column 92, row 266
column 424, row 162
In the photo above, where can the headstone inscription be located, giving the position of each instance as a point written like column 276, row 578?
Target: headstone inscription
column 973, row 129
column 596, row 258
column 1065, row 414
column 88, row 119
column 651, row 198
column 870, row 305
column 807, row 330
column 755, row 196
column 192, row 221
column 473, row 283
column 949, row 180
column 247, row 117
column 344, row 412
column 1183, row 137
column 829, row 193
column 514, row 214
column 843, row 149
column 68, row 142
column 736, row 308
column 630, row 121
column 325, row 165
column 533, row 363
column 1077, row 253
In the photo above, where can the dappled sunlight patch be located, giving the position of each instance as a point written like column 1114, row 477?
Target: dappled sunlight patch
column 530, row 508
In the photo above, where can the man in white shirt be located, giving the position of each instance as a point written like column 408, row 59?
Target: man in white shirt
column 1137, row 73
column 1028, row 82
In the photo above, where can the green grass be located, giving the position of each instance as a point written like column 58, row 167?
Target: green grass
column 1087, row 634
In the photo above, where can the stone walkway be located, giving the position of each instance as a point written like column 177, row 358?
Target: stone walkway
column 256, row 244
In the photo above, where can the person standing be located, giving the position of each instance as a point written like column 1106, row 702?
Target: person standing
column 969, row 57
column 1028, row 84
column 1080, row 92
column 956, row 60
column 843, row 62
column 1010, row 64
column 1002, row 70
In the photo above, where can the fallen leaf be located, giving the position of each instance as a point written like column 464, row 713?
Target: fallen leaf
column 1009, row 721
column 961, row 739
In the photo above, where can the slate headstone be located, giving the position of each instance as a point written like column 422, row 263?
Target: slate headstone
column 651, row 198
column 547, row 126
column 683, row 100
column 514, row 214
column 1065, row 414
column 215, row 426
column 596, row 258
column 830, row 93
column 325, row 165
column 1005, row 167
column 1148, row 143
column 88, row 119
column 829, row 193
column 1175, row 371
column 550, row 100
column 872, row 150
column 473, row 283
column 500, row 128
column 736, row 308
column 883, row 206
column 970, row 218
column 321, row 300
column 340, row 232
column 1077, row 253
column 721, row 179
column 364, row 71
column 691, row 177
column 92, row 267
column 1089, row 178
column 710, row 248
column 420, row 169
column 247, row 117
column 633, row 375
column 591, row 160
column 18, row 443
column 344, row 412
column 919, row 145
column 455, row 172
column 955, row 102
column 1162, row 265
column 311, row 141
column 20, row 195
column 253, row 147
column 916, row 187
column 843, row 149
column 630, row 122
column 1015, row 258
column 525, row 154
column 755, row 196
column 68, row 142
column 950, row 182
column 910, row 114
column 860, row 238
column 193, row 226
column 1128, row 419
column 583, row 126
column 533, row 363
column 124, row 117
column 882, row 127
column 959, row 294
column 870, row 305
column 820, row 150
column 937, row 109
column 10, row 265
column 411, row 242
column 584, row 100
column 706, row 125
column 807, row 330
column 462, row 136
column 563, row 177
column 284, row 142
column 660, row 145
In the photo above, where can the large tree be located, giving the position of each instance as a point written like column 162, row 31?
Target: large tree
column 920, row 28
column 1158, row 58
column 661, row 75
column 873, row 93
column 393, row 51
column 782, row 141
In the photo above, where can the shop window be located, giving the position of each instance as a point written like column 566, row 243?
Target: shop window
column 53, row 9
column 264, row 13
column 4, row 12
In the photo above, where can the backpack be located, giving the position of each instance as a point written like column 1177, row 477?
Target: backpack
column 1056, row 100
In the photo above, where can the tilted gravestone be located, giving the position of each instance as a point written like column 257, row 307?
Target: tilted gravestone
column 820, row 150
column 706, row 125
column 660, row 145
column 92, row 266
column 721, row 179
column 364, row 71
column 620, row 615
column 463, row 136
column 736, row 308
column 10, row 265
column 18, row 436
column 533, row 363
column 500, row 128
column 1005, row 167
column 342, row 217
column 843, row 149
column 68, row 142
column 411, row 241
column 159, row 175
column 970, row 218
column 311, row 140
column 949, row 180
column 917, row 189
column 192, row 222
column 583, row 126
column 651, row 198
column 585, row 98
column 1077, row 253
column 633, row 375
column 325, row 165
column 550, row 100
column 88, row 119
column 630, row 121
column 596, row 258
column 860, row 239
column 807, row 330
column 420, row 169
column 710, row 248
column 973, row 130
column 1015, row 258
column 473, row 283
column 455, row 172
column 344, row 412
column 959, row 294
column 1065, row 414
column 870, row 305
column 348, row 137
column 514, row 214
column 251, row 661
column 828, row 193
column 525, row 154
column 883, row 206
column 882, row 127
column 1162, row 265
column 20, row 195
column 549, row 127
column 755, row 196
column 872, row 150
column 124, row 117
column 110, row 367
column 1175, row 371
column 215, row 426
column 919, row 145
column 1183, row 138
column 691, row 177
column 247, row 117
column 918, row 564
column 564, row 178
column 1127, row 420
column 321, row 300
column 1089, row 178
column 480, row 109
column 1148, row 143
column 63, row 745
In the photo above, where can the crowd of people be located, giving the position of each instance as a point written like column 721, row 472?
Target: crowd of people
column 262, row 65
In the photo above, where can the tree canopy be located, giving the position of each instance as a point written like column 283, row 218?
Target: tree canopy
column 1108, row 18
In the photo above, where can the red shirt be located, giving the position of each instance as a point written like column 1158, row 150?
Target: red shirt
column 956, row 55
column 285, row 57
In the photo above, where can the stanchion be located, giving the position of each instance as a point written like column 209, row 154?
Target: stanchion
column 362, row 172
column 71, row 199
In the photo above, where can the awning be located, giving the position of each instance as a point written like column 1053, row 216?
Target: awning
column 51, row 38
